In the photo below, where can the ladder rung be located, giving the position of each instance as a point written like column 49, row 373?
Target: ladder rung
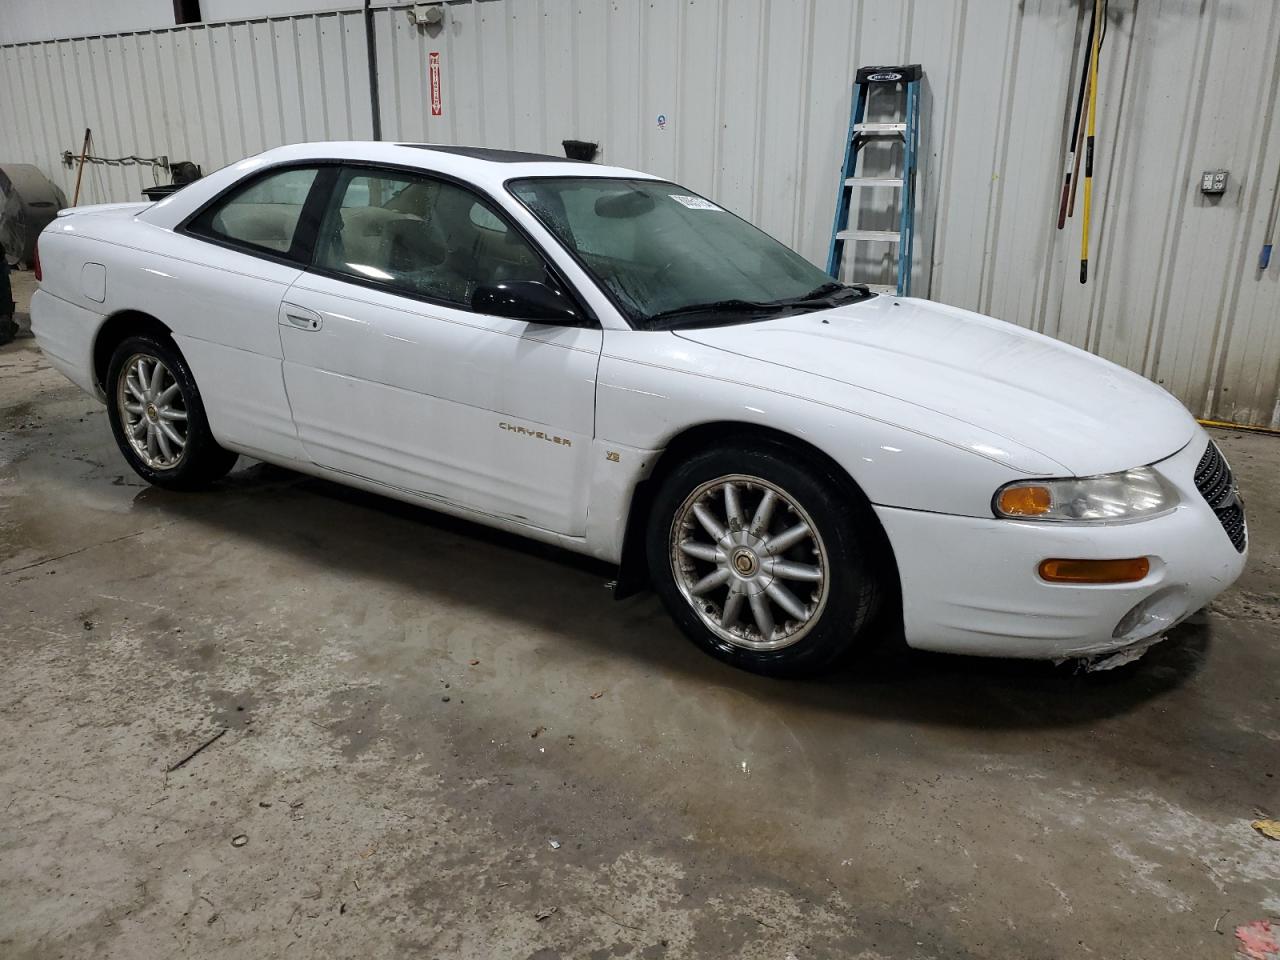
column 887, row 236
column 873, row 182
column 880, row 129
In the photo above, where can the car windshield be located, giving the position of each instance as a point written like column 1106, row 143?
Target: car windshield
column 672, row 258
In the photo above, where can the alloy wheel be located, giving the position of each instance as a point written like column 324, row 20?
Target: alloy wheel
column 152, row 411
column 750, row 561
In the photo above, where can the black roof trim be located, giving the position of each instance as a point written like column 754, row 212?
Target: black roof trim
column 491, row 154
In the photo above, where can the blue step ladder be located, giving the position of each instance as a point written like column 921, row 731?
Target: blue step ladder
column 902, row 84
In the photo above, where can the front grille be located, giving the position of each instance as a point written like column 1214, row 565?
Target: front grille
column 1217, row 486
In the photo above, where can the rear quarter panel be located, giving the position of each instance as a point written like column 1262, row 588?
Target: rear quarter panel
column 65, row 317
column 221, row 306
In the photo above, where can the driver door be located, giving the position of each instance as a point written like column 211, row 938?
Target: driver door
column 394, row 378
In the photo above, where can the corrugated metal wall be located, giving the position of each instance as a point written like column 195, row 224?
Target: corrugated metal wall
column 211, row 93
column 755, row 94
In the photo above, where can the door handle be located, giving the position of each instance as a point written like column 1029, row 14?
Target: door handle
column 300, row 317
column 301, row 322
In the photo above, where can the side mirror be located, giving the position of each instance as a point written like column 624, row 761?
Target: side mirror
column 525, row 300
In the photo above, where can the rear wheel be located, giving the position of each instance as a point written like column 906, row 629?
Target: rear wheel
column 158, row 418
column 763, row 559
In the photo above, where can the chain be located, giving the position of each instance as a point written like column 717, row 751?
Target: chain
column 70, row 159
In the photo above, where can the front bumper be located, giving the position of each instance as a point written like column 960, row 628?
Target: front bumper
column 969, row 585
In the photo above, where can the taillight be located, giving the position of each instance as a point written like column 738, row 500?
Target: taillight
column 35, row 263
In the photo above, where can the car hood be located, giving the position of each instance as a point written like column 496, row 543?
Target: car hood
column 1083, row 412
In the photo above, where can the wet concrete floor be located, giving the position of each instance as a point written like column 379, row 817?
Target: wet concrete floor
column 446, row 742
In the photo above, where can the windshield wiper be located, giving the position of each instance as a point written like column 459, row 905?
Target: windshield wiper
column 828, row 293
column 821, row 297
column 736, row 307
column 821, row 292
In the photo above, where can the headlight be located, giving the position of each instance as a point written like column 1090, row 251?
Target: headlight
column 1130, row 495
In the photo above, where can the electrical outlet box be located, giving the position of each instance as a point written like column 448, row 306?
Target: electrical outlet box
column 426, row 14
column 1213, row 181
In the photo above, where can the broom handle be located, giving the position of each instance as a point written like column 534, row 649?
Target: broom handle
column 1073, row 157
column 1088, row 146
column 84, row 152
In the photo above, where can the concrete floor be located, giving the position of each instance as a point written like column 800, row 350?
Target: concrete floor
column 416, row 708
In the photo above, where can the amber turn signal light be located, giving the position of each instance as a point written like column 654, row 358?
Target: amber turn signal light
column 1095, row 571
column 1025, row 501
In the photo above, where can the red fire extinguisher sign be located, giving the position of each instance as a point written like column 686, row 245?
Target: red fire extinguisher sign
column 437, row 102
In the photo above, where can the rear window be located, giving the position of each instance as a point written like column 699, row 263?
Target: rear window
column 261, row 216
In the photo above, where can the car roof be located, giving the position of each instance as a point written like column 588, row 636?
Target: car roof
column 492, row 154
column 486, row 166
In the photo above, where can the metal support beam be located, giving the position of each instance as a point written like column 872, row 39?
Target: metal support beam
column 371, row 53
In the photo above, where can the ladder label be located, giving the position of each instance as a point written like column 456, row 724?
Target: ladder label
column 693, row 203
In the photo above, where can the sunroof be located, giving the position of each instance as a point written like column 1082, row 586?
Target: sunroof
column 490, row 154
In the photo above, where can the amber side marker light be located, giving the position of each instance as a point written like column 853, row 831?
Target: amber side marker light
column 1095, row 571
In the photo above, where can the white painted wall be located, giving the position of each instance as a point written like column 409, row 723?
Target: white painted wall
column 756, row 95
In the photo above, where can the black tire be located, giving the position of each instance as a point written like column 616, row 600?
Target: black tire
column 8, row 330
column 849, row 550
column 201, row 461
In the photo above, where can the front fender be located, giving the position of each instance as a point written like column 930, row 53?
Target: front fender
column 653, row 386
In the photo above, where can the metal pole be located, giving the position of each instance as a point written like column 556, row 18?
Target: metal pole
column 371, row 52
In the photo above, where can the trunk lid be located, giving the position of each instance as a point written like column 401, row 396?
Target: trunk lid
column 106, row 210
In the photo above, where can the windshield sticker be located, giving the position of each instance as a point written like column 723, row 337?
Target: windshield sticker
column 693, row 203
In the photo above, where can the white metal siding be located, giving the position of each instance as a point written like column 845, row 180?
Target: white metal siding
column 756, row 96
column 211, row 93
column 28, row 20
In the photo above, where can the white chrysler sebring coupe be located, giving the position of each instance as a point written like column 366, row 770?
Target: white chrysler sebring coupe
column 606, row 361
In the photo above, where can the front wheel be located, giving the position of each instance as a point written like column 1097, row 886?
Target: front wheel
column 764, row 559
column 158, row 418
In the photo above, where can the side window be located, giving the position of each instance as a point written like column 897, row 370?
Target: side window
column 420, row 236
column 263, row 215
